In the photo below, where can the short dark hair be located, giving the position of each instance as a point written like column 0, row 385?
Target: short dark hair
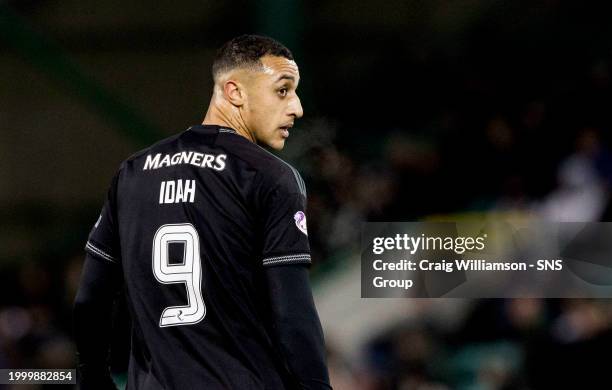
column 245, row 51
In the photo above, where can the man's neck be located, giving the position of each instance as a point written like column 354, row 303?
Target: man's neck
column 217, row 116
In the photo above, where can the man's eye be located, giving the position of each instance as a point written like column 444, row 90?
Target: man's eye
column 282, row 92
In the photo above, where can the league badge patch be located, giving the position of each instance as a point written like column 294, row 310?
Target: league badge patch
column 300, row 221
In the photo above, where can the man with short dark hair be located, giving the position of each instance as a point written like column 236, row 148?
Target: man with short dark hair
column 206, row 232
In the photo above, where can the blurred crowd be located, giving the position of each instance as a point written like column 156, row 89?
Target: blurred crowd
column 555, row 179
column 505, row 344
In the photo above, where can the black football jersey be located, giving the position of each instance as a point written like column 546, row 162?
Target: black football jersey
column 192, row 221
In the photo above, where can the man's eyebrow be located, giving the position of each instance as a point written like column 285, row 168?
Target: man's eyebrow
column 285, row 77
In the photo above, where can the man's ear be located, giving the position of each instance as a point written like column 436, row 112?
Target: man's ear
column 234, row 92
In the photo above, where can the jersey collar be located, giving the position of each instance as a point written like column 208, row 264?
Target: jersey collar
column 211, row 129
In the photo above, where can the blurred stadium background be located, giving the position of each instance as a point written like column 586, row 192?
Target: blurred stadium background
column 413, row 109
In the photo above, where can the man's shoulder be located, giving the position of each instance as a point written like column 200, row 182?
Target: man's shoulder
column 267, row 160
column 273, row 170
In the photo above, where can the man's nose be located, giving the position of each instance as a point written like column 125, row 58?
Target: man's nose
column 295, row 108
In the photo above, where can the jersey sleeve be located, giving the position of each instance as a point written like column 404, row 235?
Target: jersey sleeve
column 285, row 234
column 103, row 240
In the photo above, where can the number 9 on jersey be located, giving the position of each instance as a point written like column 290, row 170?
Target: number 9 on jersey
column 188, row 272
